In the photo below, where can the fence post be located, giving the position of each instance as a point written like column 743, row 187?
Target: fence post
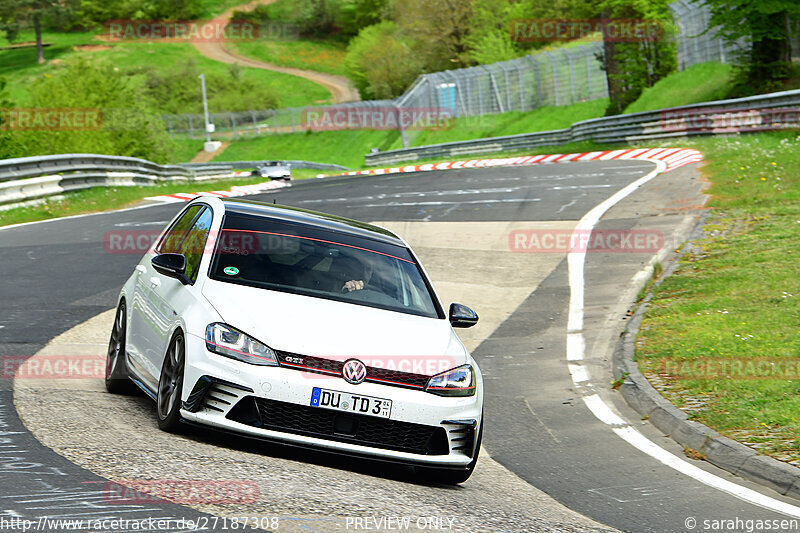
column 191, row 128
column 571, row 75
column 555, row 77
column 233, row 125
column 589, row 71
column 521, row 88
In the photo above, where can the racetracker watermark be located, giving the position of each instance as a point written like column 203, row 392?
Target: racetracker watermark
column 211, row 31
column 53, row 367
column 50, row 119
column 582, row 241
column 611, row 30
column 141, row 491
column 728, row 120
column 225, row 242
column 376, row 118
column 394, row 369
column 728, row 368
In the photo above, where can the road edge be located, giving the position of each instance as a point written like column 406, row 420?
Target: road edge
column 723, row 452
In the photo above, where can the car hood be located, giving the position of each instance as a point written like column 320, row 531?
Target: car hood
column 326, row 328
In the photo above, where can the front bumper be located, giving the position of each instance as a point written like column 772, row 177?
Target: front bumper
column 274, row 403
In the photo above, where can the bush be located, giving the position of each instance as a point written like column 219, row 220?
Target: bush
column 130, row 126
column 381, row 62
column 177, row 90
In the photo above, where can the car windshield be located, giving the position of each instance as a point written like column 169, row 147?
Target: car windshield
column 295, row 258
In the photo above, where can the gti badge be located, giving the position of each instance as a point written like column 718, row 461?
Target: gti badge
column 354, row 371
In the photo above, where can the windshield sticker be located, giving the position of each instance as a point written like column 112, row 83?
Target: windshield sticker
column 231, row 271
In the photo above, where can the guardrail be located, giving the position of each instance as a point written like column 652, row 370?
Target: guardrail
column 773, row 111
column 291, row 163
column 30, row 178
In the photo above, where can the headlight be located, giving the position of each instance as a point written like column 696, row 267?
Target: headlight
column 230, row 342
column 456, row 382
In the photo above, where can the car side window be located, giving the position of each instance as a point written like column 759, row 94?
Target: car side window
column 172, row 241
column 194, row 244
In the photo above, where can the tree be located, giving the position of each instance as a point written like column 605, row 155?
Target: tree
column 381, row 61
column 18, row 14
column 128, row 123
column 440, row 30
column 7, row 145
column 765, row 26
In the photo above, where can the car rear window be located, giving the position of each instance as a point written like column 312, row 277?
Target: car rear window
column 296, row 258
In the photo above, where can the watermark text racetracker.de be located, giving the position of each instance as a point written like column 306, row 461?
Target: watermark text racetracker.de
column 156, row 491
column 582, row 241
column 198, row 31
column 612, row 30
column 203, row 523
column 730, row 368
column 50, row 119
column 376, row 118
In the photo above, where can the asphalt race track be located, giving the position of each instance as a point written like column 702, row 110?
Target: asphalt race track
column 551, row 465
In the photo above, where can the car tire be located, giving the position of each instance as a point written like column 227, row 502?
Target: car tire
column 170, row 386
column 449, row 476
column 116, row 378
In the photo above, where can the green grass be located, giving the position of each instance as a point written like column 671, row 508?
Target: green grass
column 340, row 147
column 736, row 296
column 322, row 56
column 348, row 147
column 19, row 65
column 541, row 119
column 20, row 69
column 703, row 82
column 99, row 199
column 293, row 91
column 212, row 8
column 186, row 149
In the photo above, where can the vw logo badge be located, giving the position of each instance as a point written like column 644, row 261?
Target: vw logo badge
column 354, row 371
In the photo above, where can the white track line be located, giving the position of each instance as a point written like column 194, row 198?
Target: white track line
column 599, row 408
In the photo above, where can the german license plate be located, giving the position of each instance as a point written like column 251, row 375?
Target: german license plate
column 351, row 403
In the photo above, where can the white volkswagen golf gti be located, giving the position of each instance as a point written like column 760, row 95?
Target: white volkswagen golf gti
column 303, row 328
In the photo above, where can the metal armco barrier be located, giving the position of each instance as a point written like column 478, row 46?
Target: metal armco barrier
column 775, row 111
column 31, row 178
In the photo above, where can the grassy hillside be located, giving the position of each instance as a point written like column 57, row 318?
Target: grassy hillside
column 323, row 56
column 348, row 147
column 20, row 69
column 703, row 82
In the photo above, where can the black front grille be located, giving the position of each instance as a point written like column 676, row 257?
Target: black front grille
column 341, row 427
column 322, row 365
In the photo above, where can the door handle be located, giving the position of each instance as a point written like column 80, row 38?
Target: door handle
column 155, row 282
column 141, row 269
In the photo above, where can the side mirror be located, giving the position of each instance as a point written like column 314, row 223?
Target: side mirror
column 172, row 265
column 462, row 316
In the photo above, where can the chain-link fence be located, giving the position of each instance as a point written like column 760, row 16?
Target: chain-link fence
column 552, row 78
column 695, row 44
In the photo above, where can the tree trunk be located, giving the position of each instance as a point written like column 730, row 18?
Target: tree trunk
column 772, row 57
column 613, row 75
column 37, row 26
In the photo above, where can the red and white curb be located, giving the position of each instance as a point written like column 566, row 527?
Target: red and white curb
column 236, row 190
column 673, row 157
